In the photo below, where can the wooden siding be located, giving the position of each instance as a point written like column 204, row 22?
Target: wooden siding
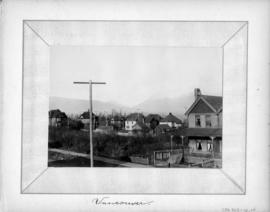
column 129, row 125
column 220, row 119
column 213, row 117
column 191, row 120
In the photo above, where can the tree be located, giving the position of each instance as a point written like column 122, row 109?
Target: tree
column 75, row 124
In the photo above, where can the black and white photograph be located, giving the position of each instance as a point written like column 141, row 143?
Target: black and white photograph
column 165, row 98
column 130, row 106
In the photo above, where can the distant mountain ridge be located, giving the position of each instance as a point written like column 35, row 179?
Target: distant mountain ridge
column 162, row 106
column 78, row 106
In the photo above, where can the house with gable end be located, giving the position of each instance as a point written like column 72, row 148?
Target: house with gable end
column 132, row 119
column 172, row 121
column 57, row 118
column 204, row 131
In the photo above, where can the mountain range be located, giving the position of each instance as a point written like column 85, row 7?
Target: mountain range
column 162, row 106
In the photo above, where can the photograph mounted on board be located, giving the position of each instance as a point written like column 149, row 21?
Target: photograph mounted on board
column 102, row 96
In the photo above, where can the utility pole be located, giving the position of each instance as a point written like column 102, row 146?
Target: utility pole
column 90, row 116
column 171, row 142
column 183, row 147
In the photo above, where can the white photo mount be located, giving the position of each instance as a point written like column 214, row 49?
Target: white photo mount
column 40, row 35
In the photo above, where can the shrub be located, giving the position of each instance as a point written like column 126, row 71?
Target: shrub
column 108, row 145
column 75, row 124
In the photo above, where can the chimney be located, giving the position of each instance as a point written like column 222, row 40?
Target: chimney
column 197, row 93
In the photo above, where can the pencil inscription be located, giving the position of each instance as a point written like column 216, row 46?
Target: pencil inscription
column 106, row 201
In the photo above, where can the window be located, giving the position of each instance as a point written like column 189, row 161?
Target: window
column 159, row 155
column 197, row 120
column 198, row 145
column 209, row 147
column 208, row 121
column 165, row 155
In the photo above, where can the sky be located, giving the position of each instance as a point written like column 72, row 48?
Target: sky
column 134, row 74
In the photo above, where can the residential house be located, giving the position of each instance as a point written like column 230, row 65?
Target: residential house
column 172, row 121
column 152, row 120
column 84, row 117
column 117, row 121
column 132, row 119
column 57, row 118
column 162, row 129
column 204, row 131
column 140, row 128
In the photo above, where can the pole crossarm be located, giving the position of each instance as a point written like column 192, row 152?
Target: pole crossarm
column 103, row 83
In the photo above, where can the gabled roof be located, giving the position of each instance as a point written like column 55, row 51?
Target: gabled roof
column 163, row 126
column 213, row 102
column 150, row 117
column 57, row 114
column 135, row 117
column 85, row 115
column 171, row 118
column 141, row 125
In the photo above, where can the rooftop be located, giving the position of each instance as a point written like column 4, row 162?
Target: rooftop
column 214, row 101
column 171, row 118
column 135, row 117
column 164, row 126
column 141, row 125
column 150, row 117
column 85, row 115
column 57, row 114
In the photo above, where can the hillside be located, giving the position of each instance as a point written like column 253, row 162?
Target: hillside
column 177, row 106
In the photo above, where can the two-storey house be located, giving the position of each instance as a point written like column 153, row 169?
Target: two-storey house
column 204, row 131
